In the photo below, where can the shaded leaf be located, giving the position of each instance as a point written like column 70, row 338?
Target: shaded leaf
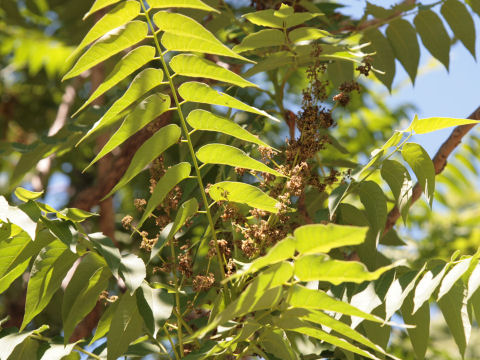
column 202, row 93
column 167, row 182
column 81, row 294
column 126, row 326
column 277, row 343
column 320, row 238
column 145, row 81
column 187, row 210
column 422, row 166
column 104, row 323
column 144, row 113
column 372, row 197
column 420, row 334
column 403, row 39
column 149, row 151
column 185, row 34
column 105, row 246
column 203, row 120
column 434, row 36
column 461, row 23
column 244, row 194
column 339, row 72
column 48, row 271
column 195, row 66
column 229, row 155
column 260, row 39
column 384, row 58
column 106, row 47
column 336, row 197
column 130, row 63
column 400, row 182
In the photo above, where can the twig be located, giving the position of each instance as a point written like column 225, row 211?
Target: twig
column 439, row 162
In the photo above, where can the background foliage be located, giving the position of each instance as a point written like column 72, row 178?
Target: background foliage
column 247, row 174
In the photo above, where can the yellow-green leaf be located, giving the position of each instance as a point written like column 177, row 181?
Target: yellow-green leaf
column 403, row 39
column 260, row 39
column 189, row 4
column 145, row 112
column 204, row 120
column 172, row 177
column 320, row 238
column 229, row 155
column 109, row 45
column 185, row 34
column 427, row 125
column 244, row 194
column 195, row 66
column 307, row 33
column 434, row 36
column 26, row 195
column 202, row 93
column 149, row 151
column 400, row 182
column 461, row 23
column 118, row 16
column 285, row 17
column 131, row 62
column 99, row 5
column 316, row 267
column 145, row 81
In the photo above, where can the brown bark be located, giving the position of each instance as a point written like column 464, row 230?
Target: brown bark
column 439, row 162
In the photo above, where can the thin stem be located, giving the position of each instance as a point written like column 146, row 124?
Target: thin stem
column 190, row 146
column 171, row 342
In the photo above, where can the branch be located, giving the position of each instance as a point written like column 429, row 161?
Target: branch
column 439, row 162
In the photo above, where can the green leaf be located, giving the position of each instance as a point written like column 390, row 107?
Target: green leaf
column 202, row 93
column 58, row 351
column 475, row 5
column 307, row 33
column 420, row 334
column 320, row 238
column 99, row 5
column 81, row 294
column 18, row 217
column 461, row 23
column 145, row 81
column 133, row 272
column 302, row 327
column 75, row 215
column 26, row 195
column 398, row 291
column 106, row 47
column 144, row 113
column 277, row 343
column 422, row 166
column 427, row 285
column 473, row 282
column 118, row 16
column 104, row 323
column 187, row 210
column 244, row 194
column 336, row 197
column 455, row 312
column 317, row 267
column 434, row 36
column 149, row 151
column 427, row 125
column 63, row 230
column 105, row 247
column 229, row 155
column 190, row 4
column 126, row 326
column 195, row 66
column 283, row 18
column 453, row 276
column 403, row 39
column 185, row 34
column 339, row 72
column 130, row 63
column 400, row 182
column 48, row 271
column 203, row 120
column 384, row 58
column 372, row 197
column 155, row 306
column 167, row 182
column 260, row 39
column 9, row 342
column 378, row 11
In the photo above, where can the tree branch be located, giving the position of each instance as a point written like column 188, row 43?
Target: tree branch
column 439, row 162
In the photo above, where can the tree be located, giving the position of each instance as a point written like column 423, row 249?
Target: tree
column 215, row 237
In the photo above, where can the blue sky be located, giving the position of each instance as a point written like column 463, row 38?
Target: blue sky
column 436, row 92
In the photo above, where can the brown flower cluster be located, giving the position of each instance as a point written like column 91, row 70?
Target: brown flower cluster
column 203, row 282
